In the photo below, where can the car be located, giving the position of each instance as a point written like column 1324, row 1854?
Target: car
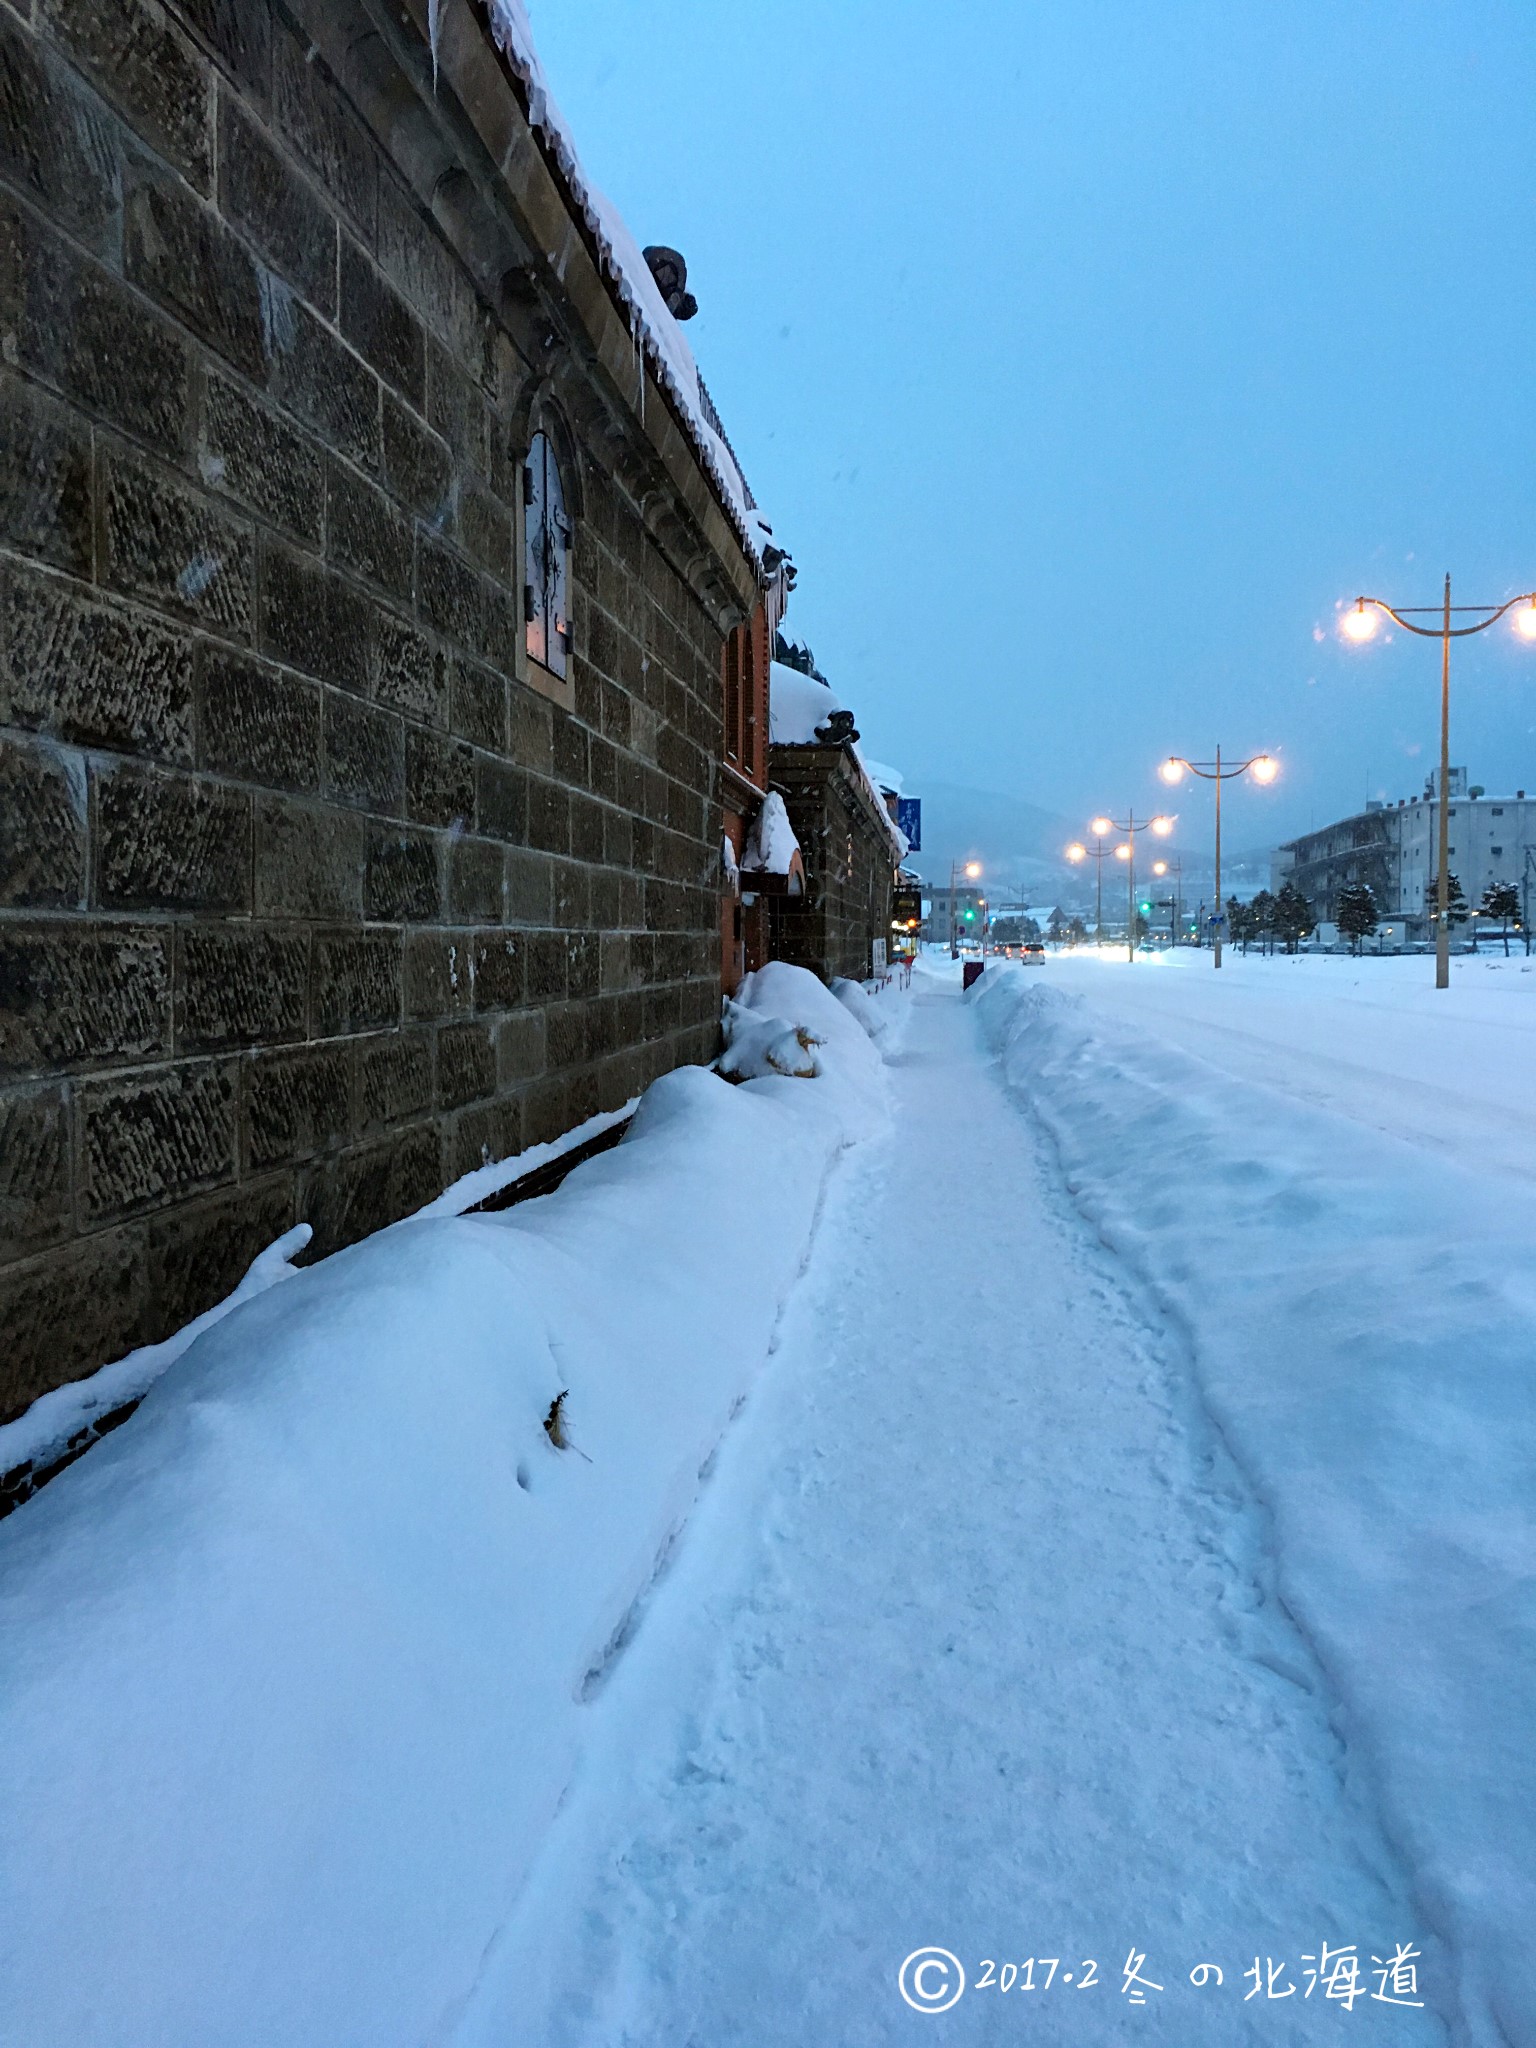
column 1033, row 954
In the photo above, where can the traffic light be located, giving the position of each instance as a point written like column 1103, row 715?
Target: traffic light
column 1146, row 909
column 970, row 917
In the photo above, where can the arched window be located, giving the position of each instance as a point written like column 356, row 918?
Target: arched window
column 546, row 558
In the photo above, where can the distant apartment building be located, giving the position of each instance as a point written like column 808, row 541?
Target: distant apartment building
column 1392, row 849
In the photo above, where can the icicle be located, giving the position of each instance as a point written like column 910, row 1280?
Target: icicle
column 433, row 7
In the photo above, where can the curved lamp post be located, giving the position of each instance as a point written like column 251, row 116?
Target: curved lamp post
column 1101, row 828
column 1358, row 625
column 1098, row 853
column 1262, row 767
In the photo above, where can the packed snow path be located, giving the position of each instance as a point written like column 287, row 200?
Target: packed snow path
column 967, row 1645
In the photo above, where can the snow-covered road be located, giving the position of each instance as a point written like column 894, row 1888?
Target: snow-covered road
column 973, row 1643
column 1371, row 1040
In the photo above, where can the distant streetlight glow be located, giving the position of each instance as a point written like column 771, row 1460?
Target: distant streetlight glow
column 1262, row 767
column 972, row 869
column 1162, row 825
column 1159, row 867
column 1358, row 624
column 1525, row 620
column 1077, row 851
column 1100, row 827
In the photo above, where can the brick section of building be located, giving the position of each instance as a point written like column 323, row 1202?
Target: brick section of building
column 309, row 900
column 850, row 863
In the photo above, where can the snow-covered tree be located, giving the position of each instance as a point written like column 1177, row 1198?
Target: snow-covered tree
column 1293, row 917
column 1260, row 919
column 1456, row 909
column 1355, row 913
column 1502, row 900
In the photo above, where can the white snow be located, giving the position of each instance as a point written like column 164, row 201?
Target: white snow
column 1322, row 1169
column 300, row 1658
column 52, row 1419
column 974, row 1642
column 1128, row 1549
column 883, row 777
column 654, row 326
column 797, row 704
column 771, row 844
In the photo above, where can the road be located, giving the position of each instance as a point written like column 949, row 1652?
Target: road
column 1448, row 1070
column 970, row 1643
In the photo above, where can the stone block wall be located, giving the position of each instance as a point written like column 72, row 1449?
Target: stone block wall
column 849, row 864
column 309, row 901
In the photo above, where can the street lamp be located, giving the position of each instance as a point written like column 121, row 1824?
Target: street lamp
column 1359, row 625
column 1161, row 826
column 1262, row 767
column 1098, row 853
column 972, row 871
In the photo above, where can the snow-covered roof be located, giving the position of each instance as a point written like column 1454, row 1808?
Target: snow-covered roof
column 882, row 776
column 797, row 704
column 771, row 844
column 653, row 326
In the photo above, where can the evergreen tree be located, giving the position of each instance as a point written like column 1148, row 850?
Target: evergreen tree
column 1356, row 913
column 1502, row 900
column 1456, row 909
column 1237, row 923
column 1077, row 931
column 1261, row 918
column 1293, row 917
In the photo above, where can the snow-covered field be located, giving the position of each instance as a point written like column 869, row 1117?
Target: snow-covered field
column 1126, row 1552
column 1372, row 1040
column 1321, row 1170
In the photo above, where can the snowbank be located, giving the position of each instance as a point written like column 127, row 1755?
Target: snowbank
column 1362, row 1320
column 297, row 1657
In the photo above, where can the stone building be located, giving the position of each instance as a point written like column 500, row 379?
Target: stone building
column 370, row 552
column 840, row 922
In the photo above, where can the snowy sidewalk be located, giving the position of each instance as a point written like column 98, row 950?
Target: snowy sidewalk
column 968, row 1645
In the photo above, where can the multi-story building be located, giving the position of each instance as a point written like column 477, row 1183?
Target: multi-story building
column 1392, row 848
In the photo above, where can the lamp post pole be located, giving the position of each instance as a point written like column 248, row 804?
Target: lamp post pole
column 1358, row 624
column 1443, row 820
column 1263, row 768
column 1126, row 851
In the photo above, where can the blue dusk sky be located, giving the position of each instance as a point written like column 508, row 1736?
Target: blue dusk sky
column 1084, row 354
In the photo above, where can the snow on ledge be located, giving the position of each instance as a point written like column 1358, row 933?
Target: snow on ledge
column 651, row 324
column 771, row 844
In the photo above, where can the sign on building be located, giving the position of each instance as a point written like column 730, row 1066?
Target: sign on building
column 909, row 818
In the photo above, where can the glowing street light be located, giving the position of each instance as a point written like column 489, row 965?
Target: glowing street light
column 1098, row 853
column 1161, row 826
column 972, row 871
column 1262, row 767
column 1358, row 622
